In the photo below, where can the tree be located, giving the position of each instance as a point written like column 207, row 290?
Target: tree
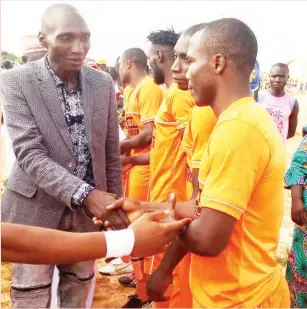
column 9, row 56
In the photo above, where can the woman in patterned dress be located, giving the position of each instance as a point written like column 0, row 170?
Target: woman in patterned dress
column 296, row 179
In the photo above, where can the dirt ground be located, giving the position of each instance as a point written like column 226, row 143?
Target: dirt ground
column 108, row 292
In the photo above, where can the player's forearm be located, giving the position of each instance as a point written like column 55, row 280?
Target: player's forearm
column 182, row 209
column 45, row 246
column 139, row 141
column 143, row 159
column 172, row 257
column 193, row 240
column 195, row 183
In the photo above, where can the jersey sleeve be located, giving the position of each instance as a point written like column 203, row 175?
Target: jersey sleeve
column 181, row 107
column 150, row 99
column 203, row 123
column 235, row 159
column 187, row 140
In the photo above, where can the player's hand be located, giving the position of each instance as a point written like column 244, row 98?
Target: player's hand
column 96, row 203
column 126, row 163
column 124, row 147
column 132, row 208
column 151, row 236
column 298, row 212
column 158, row 283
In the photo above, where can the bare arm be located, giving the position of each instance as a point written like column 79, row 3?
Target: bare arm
column 139, row 141
column 206, row 236
column 298, row 210
column 209, row 234
column 45, row 246
column 143, row 159
column 293, row 120
column 195, row 183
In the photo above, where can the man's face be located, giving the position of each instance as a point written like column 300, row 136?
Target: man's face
column 153, row 61
column 68, row 42
column 278, row 78
column 180, row 66
column 123, row 71
column 202, row 80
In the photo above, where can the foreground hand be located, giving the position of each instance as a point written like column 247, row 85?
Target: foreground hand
column 298, row 212
column 151, row 236
column 158, row 283
column 96, row 203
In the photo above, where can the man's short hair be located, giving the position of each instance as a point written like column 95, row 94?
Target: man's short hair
column 281, row 65
column 193, row 29
column 234, row 40
column 137, row 56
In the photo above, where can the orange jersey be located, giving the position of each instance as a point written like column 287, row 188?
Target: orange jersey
column 241, row 174
column 195, row 138
column 196, row 135
column 172, row 116
column 141, row 106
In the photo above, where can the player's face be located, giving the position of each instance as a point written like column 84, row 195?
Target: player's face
column 201, row 76
column 153, row 61
column 123, row 71
column 180, row 66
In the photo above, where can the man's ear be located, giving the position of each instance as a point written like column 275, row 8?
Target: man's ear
column 129, row 64
column 219, row 63
column 159, row 56
column 41, row 39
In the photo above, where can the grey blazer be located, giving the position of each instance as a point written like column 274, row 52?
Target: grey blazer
column 41, row 183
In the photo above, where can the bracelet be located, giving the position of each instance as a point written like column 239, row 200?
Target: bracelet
column 119, row 243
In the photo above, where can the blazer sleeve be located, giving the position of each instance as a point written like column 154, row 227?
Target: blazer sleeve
column 113, row 164
column 27, row 142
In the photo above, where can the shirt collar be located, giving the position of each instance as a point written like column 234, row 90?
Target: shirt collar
column 58, row 81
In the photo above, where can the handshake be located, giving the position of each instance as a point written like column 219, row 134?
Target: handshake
column 154, row 224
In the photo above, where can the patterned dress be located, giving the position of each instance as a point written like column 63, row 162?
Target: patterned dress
column 296, row 273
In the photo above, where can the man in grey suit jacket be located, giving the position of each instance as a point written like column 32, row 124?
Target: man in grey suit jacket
column 62, row 120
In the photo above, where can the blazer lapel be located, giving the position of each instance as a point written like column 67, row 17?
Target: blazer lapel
column 88, row 102
column 53, row 102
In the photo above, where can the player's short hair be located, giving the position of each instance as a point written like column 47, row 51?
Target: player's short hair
column 234, row 40
column 137, row 56
column 193, row 29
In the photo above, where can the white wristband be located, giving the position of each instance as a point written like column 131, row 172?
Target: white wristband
column 119, row 243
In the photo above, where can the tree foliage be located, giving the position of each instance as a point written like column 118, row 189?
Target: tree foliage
column 9, row 56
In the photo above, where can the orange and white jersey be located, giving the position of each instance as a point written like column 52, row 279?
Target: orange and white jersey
column 141, row 106
column 173, row 115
